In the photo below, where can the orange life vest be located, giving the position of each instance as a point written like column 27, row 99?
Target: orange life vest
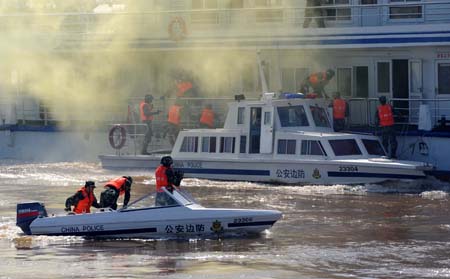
column 339, row 108
column 385, row 115
column 174, row 115
column 118, row 184
column 141, row 110
column 207, row 117
column 161, row 178
column 315, row 78
column 84, row 205
column 183, row 87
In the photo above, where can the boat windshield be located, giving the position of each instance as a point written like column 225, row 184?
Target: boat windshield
column 320, row 116
column 183, row 197
column 177, row 197
column 373, row 147
column 292, row 116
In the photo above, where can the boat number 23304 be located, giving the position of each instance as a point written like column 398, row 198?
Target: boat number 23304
column 348, row 168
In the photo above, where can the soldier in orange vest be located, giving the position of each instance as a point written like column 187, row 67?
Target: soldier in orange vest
column 340, row 112
column 83, row 199
column 115, row 188
column 183, row 87
column 173, row 122
column 385, row 118
column 207, row 117
column 318, row 81
column 166, row 177
column 146, row 114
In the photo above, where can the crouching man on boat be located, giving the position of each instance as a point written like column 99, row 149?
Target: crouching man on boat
column 115, row 188
column 83, row 199
column 166, row 177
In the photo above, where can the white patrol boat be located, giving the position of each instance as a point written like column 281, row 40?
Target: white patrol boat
column 287, row 140
column 184, row 217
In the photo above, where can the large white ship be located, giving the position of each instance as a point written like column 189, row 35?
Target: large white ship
column 393, row 48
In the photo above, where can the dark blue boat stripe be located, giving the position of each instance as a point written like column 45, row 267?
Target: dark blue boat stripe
column 315, row 35
column 309, row 42
column 368, row 174
column 251, row 224
column 112, row 232
column 227, row 171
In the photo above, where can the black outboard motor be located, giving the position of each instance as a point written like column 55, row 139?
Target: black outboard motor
column 27, row 212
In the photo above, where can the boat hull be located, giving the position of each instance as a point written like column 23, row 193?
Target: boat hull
column 287, row 171
column 164, row 222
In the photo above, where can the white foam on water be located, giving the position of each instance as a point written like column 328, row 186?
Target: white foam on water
column 434, row 195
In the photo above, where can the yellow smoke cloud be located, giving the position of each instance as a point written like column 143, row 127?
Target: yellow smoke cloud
column 86, row 66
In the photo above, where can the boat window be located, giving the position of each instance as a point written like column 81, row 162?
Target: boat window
column 189, row 144
column 292, row 116
column 243, row 144
column 383, row 77
column 373, row 147
column 345, row 147
column 240, row 116
column 286, row 146
column 320, row 116
column 402, row 12
column 267, row 117
column 341, row 10
column 312, row 147
column 443, row 72
column 227, row 144
column 209, row 144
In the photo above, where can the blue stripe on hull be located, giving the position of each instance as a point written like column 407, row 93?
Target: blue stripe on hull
column 227, row 171
column 378, row 175
column 100, row 233
column 251, row 224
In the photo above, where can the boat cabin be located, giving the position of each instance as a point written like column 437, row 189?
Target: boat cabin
column 274, row 128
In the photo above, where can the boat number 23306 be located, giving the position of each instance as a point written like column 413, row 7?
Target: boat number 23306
column 348, row 168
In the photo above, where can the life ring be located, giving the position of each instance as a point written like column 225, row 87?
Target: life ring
column 177, row 29
column 117, row 137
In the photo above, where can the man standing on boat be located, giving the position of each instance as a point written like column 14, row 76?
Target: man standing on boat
column 385, row 118
column 317, row 81
column 146, row 114
column 340, row 112
column 166, row 177
column 207, row 117
column 115, row 188
column 83, row 199
column 173, row 122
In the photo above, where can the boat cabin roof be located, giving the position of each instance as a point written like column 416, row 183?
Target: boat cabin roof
column 280, row 114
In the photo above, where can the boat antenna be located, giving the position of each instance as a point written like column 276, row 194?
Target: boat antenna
column 261, row 73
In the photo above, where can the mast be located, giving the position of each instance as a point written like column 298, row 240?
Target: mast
column 261, row 73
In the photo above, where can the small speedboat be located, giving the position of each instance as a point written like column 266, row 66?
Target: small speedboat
column 182, row 216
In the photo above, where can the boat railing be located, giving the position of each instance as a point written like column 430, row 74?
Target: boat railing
column 362, row 112
column 93, row 21
column 406, row 110
column 161, row 133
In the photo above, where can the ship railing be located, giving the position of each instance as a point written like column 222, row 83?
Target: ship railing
column 131, row 138
column 190, row 115
column 343, row 13
column 31, row 110
column 406, row 110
